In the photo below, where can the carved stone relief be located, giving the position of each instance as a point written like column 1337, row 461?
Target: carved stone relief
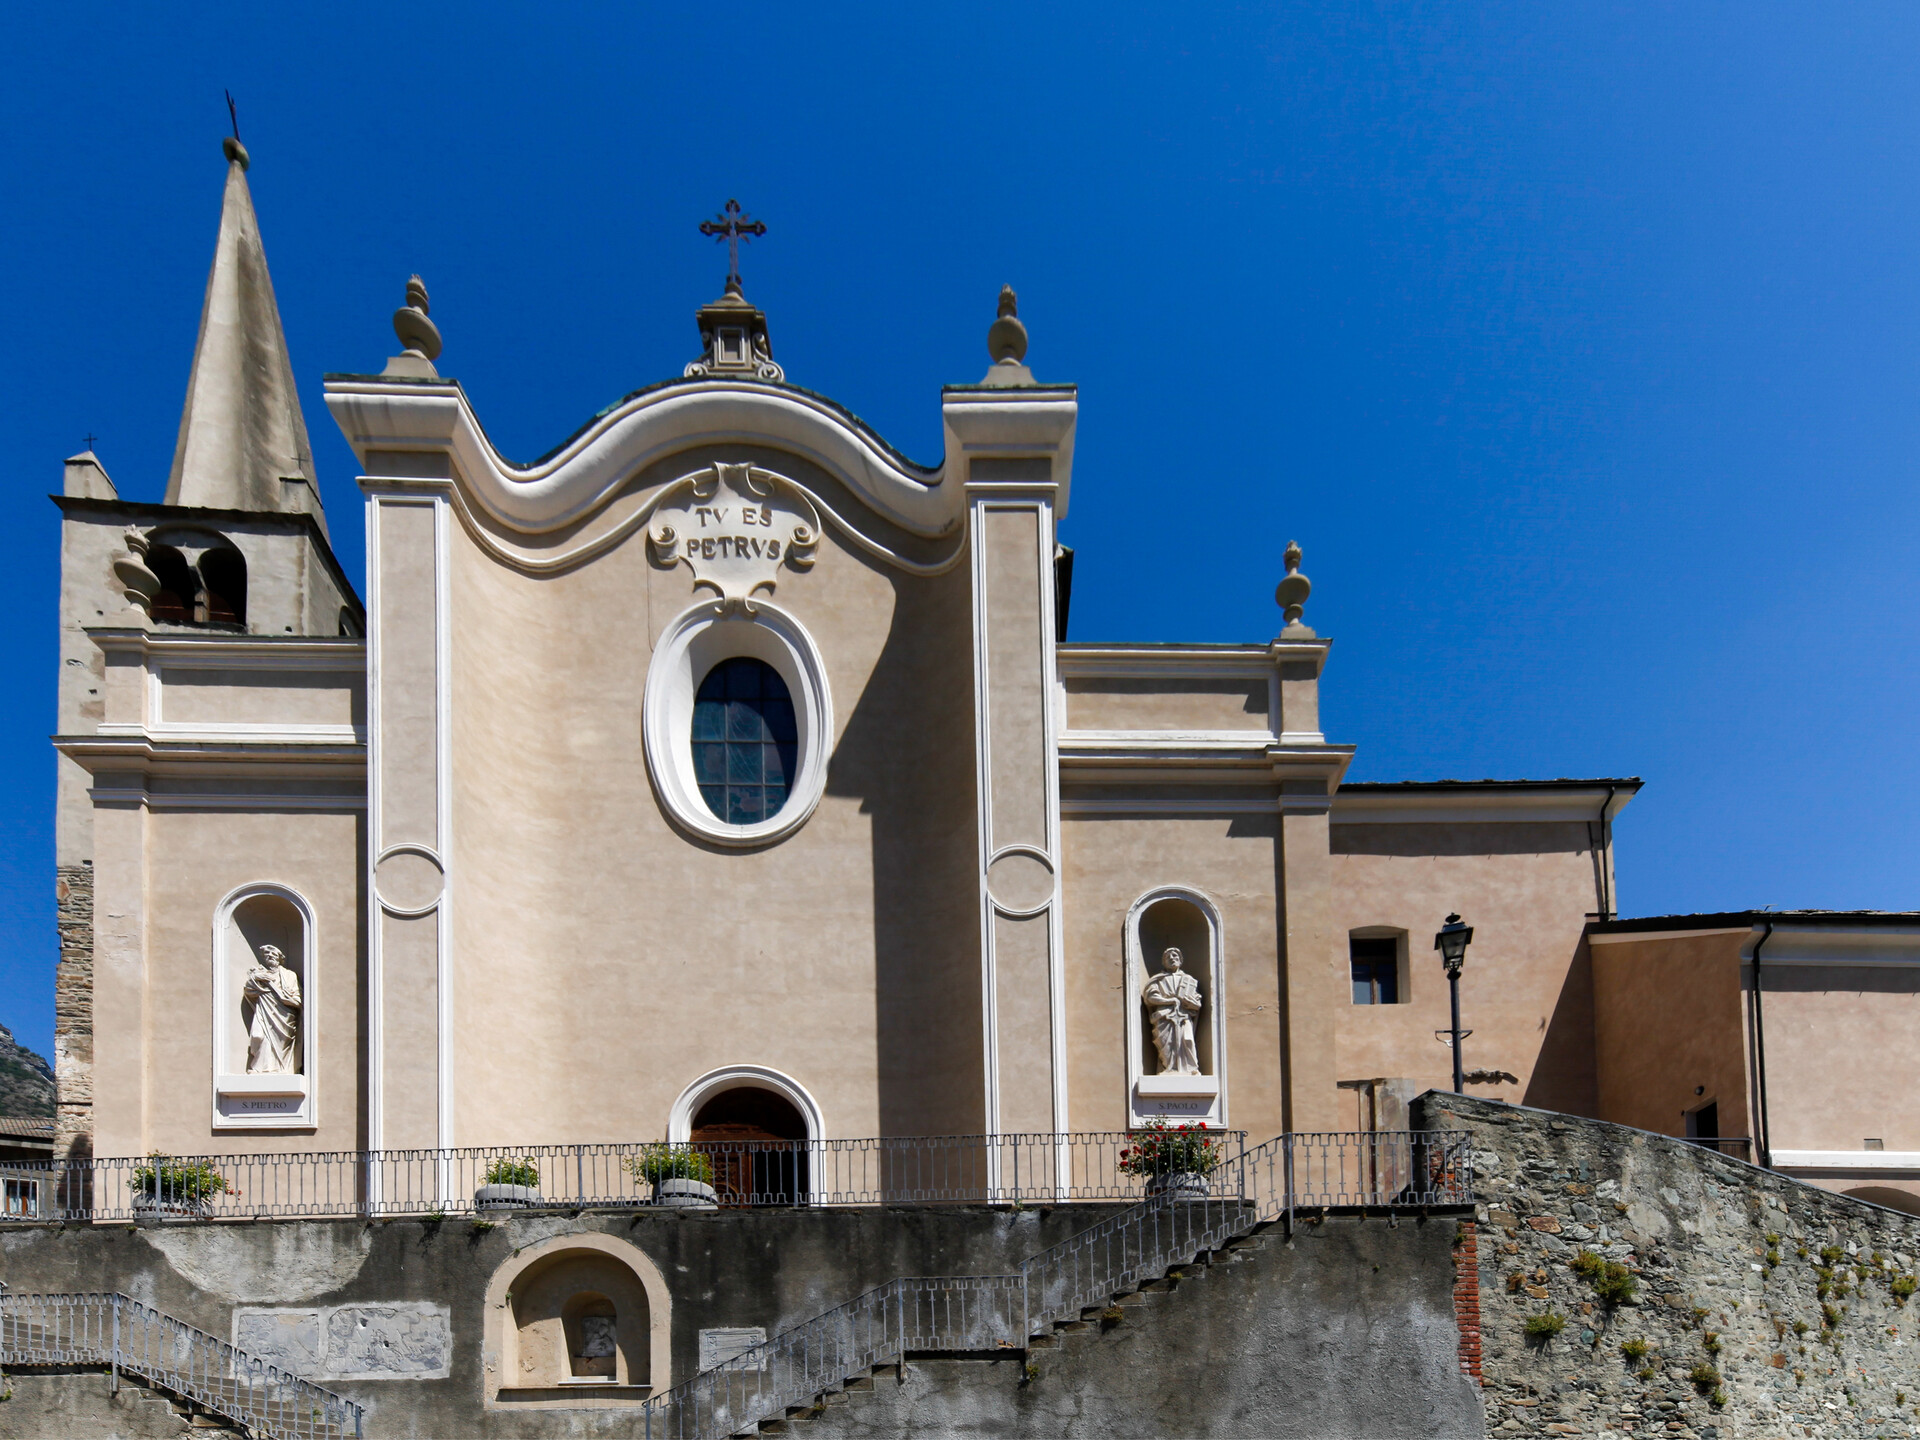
column 735, row 526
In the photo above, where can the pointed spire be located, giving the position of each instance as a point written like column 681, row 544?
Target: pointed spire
column 243, row 441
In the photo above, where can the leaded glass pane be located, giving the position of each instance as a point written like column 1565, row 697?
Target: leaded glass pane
column 745, row 740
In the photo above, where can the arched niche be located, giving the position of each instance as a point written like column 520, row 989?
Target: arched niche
column 1184, row 918
column 576, row 1321
column 247, row 921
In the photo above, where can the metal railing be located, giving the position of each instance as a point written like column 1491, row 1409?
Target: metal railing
column 1740, row 1147
column 123, row 1334
column 987, row 1313
column 894, row 1170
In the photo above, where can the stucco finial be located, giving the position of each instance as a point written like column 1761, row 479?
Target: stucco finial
column 1007, row 338
column 1007, row 344
column 1291, row 595
column 418, row 335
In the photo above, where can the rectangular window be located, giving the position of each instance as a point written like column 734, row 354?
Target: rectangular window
column 1376, row 970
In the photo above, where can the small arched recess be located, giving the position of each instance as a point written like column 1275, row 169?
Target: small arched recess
column 246, row 1096
column 1186, row 918
column 576, row 1321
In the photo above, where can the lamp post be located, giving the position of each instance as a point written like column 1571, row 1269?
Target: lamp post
column 1452, row 942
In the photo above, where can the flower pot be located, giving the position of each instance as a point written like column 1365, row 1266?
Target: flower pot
column 506, row 1197
column 1180, row 1185
column 680, row 1194
column 151, row 1210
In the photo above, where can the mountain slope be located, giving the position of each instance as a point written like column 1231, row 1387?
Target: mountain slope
column 26, row 1080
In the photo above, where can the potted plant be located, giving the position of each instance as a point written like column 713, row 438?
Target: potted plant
column 509, row 1185
column 681, row 1176
column 165, row 1189
column 1175, row 1160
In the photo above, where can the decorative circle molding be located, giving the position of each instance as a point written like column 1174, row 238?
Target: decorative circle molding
column 1020, row 880
column 409, row 879
column 693, row 644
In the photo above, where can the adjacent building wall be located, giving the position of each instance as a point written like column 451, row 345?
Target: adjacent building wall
column 1525, row 991
column 1670, row 1031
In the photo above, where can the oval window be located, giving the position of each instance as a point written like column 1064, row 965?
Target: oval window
column 745, row 742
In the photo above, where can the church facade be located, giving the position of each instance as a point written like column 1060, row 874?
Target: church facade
column 726, row 767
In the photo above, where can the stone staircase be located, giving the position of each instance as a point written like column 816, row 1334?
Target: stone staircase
column 840, row 1410
column 211, row 1387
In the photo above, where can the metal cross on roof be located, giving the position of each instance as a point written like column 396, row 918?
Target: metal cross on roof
column 733, row 225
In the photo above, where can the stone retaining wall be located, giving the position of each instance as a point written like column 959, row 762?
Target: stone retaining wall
column 1768, row 1307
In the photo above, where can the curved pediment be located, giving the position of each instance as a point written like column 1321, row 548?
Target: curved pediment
column 393, row 425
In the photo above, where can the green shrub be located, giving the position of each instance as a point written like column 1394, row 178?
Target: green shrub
column 1711, row 1344
column 1717, row 1397
column 1831, row 1254
column 1616, row 1285
column 1612, row 1282
column 1162, row 1149
column 1545, row 1327
column 513, row 1172
column 177, row 1182
column 1773, row 1240
column 667, row 1161
column 1903, row 1286
column 1773, row 1258
column 1831, row 1314
column 1635, row 1349
column 1704, row 1376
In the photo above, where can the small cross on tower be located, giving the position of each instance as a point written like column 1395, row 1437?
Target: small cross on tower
column 733, row 225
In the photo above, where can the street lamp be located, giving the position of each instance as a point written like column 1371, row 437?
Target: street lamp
column 1452, row 942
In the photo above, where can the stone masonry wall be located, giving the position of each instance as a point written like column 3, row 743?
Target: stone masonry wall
column 1766, row 1307
column 73, row 1010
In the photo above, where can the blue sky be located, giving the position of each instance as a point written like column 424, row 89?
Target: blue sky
column 1576, row 344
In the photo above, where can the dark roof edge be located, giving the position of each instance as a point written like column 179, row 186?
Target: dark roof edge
column 1625, row 784
column 1734, row 919
column 899, row 456
column 298, row 519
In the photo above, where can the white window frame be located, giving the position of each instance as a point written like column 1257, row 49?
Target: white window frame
column 692, row 644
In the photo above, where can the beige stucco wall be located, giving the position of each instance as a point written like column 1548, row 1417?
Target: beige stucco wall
column 1668, row 1017
column 1526, row 888
column 155, row 1019
column 1115, row 702
column 1843, row 1055
column 1110, row 861
column 605, row 960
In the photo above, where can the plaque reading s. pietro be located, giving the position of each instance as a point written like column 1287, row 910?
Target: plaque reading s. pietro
column 735, row 526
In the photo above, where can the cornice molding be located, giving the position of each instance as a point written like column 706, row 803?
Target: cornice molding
column 584, row 474
column 1501, row 803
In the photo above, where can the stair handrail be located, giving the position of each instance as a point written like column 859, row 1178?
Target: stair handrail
column 1399, row 1169
column 115, row 1330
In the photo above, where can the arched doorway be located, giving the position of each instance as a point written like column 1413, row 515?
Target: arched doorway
column 758, row 1142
